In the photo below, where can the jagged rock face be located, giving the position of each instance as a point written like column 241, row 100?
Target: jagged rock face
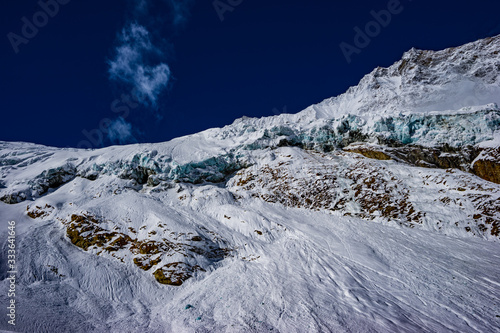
column 444, row 157
column 351, row 185
column 374, row 152
column 487, row 165
column 470, row 61
column 94, row 235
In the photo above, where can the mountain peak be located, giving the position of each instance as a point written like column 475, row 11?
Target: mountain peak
column 424, row 81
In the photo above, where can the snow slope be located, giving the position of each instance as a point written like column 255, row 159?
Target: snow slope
column 275, row 224
column 424, row 81
column 307, row 271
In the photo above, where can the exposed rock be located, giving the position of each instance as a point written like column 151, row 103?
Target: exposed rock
column 153, row 180
column 363, row 188
column 368, row 151
column 91, row 234
column 175, row 273
column 487, row 165
column 444, row 157
column 84, row 231
column 16, row 197
column 38, row 212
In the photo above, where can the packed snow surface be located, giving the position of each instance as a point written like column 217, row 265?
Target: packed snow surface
column 308, row 271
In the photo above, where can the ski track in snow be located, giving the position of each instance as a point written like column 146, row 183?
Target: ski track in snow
column 316, row 273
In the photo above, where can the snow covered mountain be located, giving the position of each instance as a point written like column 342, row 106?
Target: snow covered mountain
column 377, row 210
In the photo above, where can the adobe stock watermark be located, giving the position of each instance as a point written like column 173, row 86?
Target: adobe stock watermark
column 30, row 28
column 11, row 273
column 121, row 107
column 223, row 6
column 372, row 29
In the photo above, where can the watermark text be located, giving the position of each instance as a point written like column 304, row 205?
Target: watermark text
column 11, row 273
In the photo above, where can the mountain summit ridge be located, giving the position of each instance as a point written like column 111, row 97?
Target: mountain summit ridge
column 423, row 81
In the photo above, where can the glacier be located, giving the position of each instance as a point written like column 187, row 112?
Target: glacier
column 377, row 210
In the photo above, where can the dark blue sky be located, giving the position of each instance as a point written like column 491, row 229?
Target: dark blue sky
column 264, row 56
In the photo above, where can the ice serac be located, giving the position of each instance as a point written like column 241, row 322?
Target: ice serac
column 377, row 210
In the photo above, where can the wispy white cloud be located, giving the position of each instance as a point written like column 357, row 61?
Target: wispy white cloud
column 139, row 59
column 140, row 56
column 120, row 131
column 131, row 64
